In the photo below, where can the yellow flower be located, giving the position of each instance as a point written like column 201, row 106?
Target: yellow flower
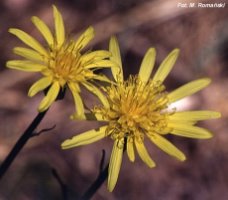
column 61, row 63
column 139, row 109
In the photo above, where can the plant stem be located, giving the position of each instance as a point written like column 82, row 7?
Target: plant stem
column 96, row 185
column 101, row 177
column 20, row 143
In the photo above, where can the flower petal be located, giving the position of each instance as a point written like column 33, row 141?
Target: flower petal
column 101, row 64
column 100, row 117
column 143, row 154
column 50, row 97
column 78, row 102
column 189, row 131
column 147, row 65
column 166, row 146
column 194, row 115
column 39, row 85
column 94, row 117
column 116, row 57
column 85, row 38
column 101, row 77
column 87, row 137
column 30, row 41
column 166, row 66
column 25, row 65
column 188, row 89
column 59, row 27
column 95, row 55
column 130, row 150
column 115, row 164
column 44, row 30
column 28, row 54
column 98, row 93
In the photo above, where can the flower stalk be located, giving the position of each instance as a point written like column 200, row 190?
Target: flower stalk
column 96, row 184
column 29, row 133
column 21, row 143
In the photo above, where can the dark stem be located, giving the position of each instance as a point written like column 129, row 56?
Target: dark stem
column 29, row 132
column 101, row 177
column 96, row 185
column 101, row 167
column 103, row 173
column 20, row 143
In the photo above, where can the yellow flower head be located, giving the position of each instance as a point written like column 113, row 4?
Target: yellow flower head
column 61, row 63
column 138, row 109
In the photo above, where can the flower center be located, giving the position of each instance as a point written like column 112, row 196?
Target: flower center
column 135, row 108
column 65, row 65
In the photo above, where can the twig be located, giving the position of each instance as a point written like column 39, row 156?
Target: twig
column 98, row 182
column 20, row 143
column 29, row 132
column 42, row 131
column 101, row 167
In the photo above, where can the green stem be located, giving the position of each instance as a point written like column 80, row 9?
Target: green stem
column 20, row 143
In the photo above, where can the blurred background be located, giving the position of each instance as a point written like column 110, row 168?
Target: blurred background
column 202, row 36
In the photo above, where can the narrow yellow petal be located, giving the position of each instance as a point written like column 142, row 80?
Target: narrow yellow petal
column 78, row 101
column 28, row 54
column 167, row 147
column 188, row 89
column 101, row 64
column 189, row 122
column 30, row 41
column 130, row 150
column 101, row 77
column 25, row 65
column 98, row 93
column 143, row 154
column 115, row 164
column 44, row 30
column 147, row 65
column 85, row 38
column 187, row 130
column 59, row 27
column 87, row 137
column 166, row 66
column 116, row 57
column 95, row 55
column 94, row 117
column 50, row 97
column 39, row 85
column 99, row 117
column 194, row 115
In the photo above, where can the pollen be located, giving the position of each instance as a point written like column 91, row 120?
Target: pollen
column 135, row 108
column 65, row 65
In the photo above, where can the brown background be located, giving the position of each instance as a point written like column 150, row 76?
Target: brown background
column 202, row 36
